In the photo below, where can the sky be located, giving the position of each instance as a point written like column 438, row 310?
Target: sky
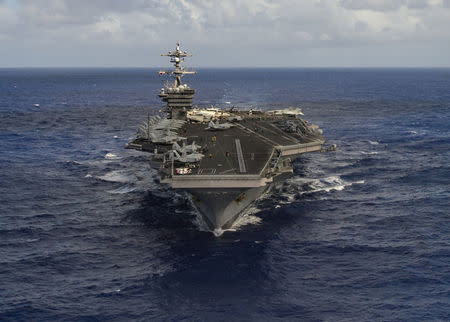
column 225, row 33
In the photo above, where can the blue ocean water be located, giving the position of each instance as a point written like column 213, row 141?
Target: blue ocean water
column 87, row 233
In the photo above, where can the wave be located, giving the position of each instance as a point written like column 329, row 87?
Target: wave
column 288, row 191
column 244, row 219
column 111, row 156
column 298, row 186
column 247, row 218
column 328, row 184
column 122, row 176
column 334, row 184
column 122, row 190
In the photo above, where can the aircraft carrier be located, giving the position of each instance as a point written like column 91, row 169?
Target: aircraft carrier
column 224, row 158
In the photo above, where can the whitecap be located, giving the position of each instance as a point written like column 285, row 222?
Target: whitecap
column 342, row 164
column 244, row 219
column 111, row 156
column 118, row 176
column 374, row 142
column 301, row 186
column 247, row 219
column 219, row 232
column 332, row 179
column 326, row 185
column 122, row 190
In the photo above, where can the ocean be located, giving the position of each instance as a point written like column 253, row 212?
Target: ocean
column 360, row 234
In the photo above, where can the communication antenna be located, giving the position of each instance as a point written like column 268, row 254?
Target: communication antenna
column 177, row 58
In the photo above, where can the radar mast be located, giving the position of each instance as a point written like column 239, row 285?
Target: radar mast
column 177, row 58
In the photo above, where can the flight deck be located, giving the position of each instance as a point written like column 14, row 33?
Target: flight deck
column 245, row 148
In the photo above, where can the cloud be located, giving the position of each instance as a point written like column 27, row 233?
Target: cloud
column 388, row 5
column 228, row 32
column 376, row 5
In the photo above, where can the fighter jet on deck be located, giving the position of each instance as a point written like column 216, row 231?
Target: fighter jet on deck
column 186, row 158
column 165, row 138
column 218, row 126
column 191, row 148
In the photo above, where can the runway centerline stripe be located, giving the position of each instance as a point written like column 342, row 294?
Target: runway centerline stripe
column 240, row 156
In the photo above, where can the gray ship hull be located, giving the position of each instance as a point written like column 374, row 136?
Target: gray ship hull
column 221, row 207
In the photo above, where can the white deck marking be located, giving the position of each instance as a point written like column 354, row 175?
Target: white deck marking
column 226, row 171
column 207, row 171
column 240, row 156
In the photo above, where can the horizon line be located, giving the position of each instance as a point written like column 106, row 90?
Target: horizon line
column 230, row 67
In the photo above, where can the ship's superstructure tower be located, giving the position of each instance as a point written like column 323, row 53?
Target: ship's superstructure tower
column 177, row 95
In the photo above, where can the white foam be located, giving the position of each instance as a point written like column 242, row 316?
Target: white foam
column 118, row 176
column 111, row 156
column 342, row 164
column 88, row 175
column 332, row 179
column 122, row 190
column 246, row 219
column 369, row 153
column 251, row 210
column 219, row 232
column 327, row 184
column 374, row 142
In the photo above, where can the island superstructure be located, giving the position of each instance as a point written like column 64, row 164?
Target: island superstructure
column 223, row 158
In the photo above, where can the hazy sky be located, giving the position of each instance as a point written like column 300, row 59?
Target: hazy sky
column 309, row 33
